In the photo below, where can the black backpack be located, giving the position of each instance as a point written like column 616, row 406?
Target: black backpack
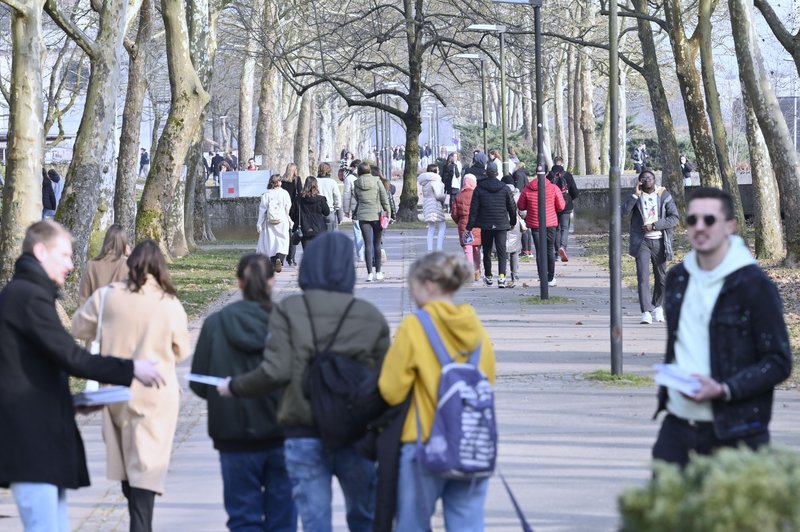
column 337, row 386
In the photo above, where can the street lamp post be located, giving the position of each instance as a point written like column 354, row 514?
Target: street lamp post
column 483, row 92
column 487, row 28
column 615, row 223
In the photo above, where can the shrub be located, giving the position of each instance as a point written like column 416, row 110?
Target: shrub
column 735, row 489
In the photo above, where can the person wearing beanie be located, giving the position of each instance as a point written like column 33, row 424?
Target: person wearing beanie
column 301, row 325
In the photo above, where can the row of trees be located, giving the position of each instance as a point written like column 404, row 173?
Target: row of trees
column 295, row 78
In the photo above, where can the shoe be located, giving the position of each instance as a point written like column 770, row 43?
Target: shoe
column 658, row 314
column 278, row 266
column 477, row 275
column 501, row 282
column 647, row 318
column 488, row 280
column 563, row 254
column 552, row 283
column 369, row 277
column 379, row 276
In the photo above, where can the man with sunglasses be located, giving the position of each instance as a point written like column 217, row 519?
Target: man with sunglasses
column 724, row 326
column 653, row 216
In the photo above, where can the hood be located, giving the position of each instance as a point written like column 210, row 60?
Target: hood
column 490, row 184
column 534, row 184
column 480, row 160
column 458, row 325
column 328, row 264
column 469, row 182
column 426, row 177
column 245, row 326
column 738, row 257
column 366, row 182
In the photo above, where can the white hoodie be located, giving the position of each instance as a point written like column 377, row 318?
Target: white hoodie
column 692, row 349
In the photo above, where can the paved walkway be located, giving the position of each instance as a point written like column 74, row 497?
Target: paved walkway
column 568, row 446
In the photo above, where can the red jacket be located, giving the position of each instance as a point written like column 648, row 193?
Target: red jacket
column 529, row 201
column 460, row 215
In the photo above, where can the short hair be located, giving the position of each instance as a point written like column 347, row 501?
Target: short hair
column 432, row 168
column 45, row 232
column 275, row 181
column 646, row 172
column 558, row 159
column 364, row 169
column 374, row 170
column 715, row 193
column 324, row 170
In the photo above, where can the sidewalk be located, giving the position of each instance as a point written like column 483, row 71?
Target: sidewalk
column 568, row 446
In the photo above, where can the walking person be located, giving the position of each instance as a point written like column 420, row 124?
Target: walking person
column 433, row 201
column 563, row 179
column 144, row 164
column 58, row 184
column 256, row 489
column 41, row 451
column 653, row 217
column 492, row 210
column 330, row 189
column 274, row 222
column 325, row 314
column 514, row 235
column 725, row 326
column 312, row 212
column 460, row 215
column 350, row 208
column 109, row 266
column 450, row 174
column 142, row 319
column 373, row 203
column 48, row 198
column 412, row 368
column 639, row 158
column 554, row 203
column 686, row 170
column 292, row 184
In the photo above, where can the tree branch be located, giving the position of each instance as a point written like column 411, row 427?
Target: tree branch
column 580, row 42
column 71, row 29
column 786, row 39
column 15, row 5
column 625, row 11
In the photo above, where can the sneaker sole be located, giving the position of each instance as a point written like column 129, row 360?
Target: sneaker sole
column 563, row 255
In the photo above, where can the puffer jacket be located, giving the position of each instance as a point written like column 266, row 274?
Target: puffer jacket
column 460, row 215
column 433, row 196
column 371, row 197
column 529, row 201
column 492, row 206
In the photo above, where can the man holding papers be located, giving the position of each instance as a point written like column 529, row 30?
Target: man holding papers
column 725, row 327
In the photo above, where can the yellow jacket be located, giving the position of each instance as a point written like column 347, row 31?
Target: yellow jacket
column 412, row 362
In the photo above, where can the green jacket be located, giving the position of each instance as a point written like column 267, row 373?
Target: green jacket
column 364, row 336
column 231, row 342
column 371, row 197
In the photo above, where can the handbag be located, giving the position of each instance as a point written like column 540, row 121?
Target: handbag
column 384, row 220
column 297, row 234
column 94, row 347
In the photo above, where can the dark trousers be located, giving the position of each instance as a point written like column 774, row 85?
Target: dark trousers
column 527, row 240
column 562, row 235
column 491, row 238
column 651, row 252
column 677, row 437
column 551, row 250
column 372, row 233
column 140, row 507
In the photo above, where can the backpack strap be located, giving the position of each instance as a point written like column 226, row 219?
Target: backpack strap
column 438, row 346
column 338, row 326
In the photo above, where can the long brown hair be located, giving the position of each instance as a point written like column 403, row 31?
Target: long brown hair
column 254, row 271
column 145, row 259
column 311, row 188
column 115, row 243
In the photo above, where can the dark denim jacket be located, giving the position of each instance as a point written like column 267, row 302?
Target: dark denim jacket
column 749, row 347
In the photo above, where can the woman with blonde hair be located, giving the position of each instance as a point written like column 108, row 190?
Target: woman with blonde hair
column 292, row 184
column 274, row 222
column 109, row 266
column 142, row 319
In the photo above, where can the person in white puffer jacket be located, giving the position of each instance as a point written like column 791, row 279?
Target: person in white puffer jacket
column 433, row 198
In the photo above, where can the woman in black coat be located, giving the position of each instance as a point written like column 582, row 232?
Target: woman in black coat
column 291, row 183
column 312, row 209
column 48, row 197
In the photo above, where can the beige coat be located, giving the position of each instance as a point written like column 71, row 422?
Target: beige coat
column 101, row 273
column 146, row 324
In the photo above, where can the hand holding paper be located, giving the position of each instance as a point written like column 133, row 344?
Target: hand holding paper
column 672, row 376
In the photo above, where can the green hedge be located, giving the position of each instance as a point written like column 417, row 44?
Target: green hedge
column 734, row 490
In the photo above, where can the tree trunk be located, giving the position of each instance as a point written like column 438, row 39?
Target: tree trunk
column 720, row 135
column 623, row 114
column 407, row 210
column 766, row 199
column 558, row 118
column 527, row 113
column 128, row 162
column 605, row 136
column 770, row 119
column 588, row 123
column 187, row 103
column 671, row 176
column 570, row 136
column 577, row 132
column 248, row 80
column 301, row 135
column 685, row 55
column 22, row 194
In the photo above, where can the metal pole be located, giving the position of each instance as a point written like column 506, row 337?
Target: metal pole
column 615, row 218
column 377, row 142
column 541, row 251
column 504, row 155
column 387, row 140
column 438, row 140
column 483, row 103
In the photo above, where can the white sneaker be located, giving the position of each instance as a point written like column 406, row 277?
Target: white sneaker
column 552, row 283
column 379, row 276
column 658, row 314
column 647, row 318
column 369, row 278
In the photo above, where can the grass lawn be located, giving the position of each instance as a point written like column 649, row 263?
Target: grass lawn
column 204, row 276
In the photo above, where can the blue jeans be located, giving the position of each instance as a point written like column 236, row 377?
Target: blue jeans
column 358, row 240
column 257, row 491
column 42, row 507
column 311, row 469
column 418, row 490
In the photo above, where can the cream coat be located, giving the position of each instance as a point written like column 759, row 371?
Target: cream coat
column 274, row 238
column 99, row 273
column 152, row 325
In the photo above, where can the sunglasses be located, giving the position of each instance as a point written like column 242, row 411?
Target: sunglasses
column 708, row 219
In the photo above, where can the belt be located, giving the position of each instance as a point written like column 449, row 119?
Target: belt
column 692, row 422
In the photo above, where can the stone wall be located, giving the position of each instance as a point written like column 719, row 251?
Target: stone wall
column 233, row 218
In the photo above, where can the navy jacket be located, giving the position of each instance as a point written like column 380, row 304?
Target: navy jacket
column 492, row 207
column 749, row 347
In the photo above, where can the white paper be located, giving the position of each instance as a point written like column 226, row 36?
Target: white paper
column 672, row 376
column 204, row 379
column 103, row 396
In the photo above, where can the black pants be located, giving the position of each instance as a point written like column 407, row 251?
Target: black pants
column 372, row 233
column 562, row 235
column 140, row 507
column 677, row 437
column 651, row 252
column 527, row 240
column 551, row 250
column 492, row 238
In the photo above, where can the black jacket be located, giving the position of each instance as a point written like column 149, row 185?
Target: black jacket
column 48, row 194
column 564, row 181
column 293, row 188
column 232, row 342
column 521, row 178
column 478, row 171
column 449, row 172
column 40, row 441
column 749, row 347
column 313, row 212
column 492, row 207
